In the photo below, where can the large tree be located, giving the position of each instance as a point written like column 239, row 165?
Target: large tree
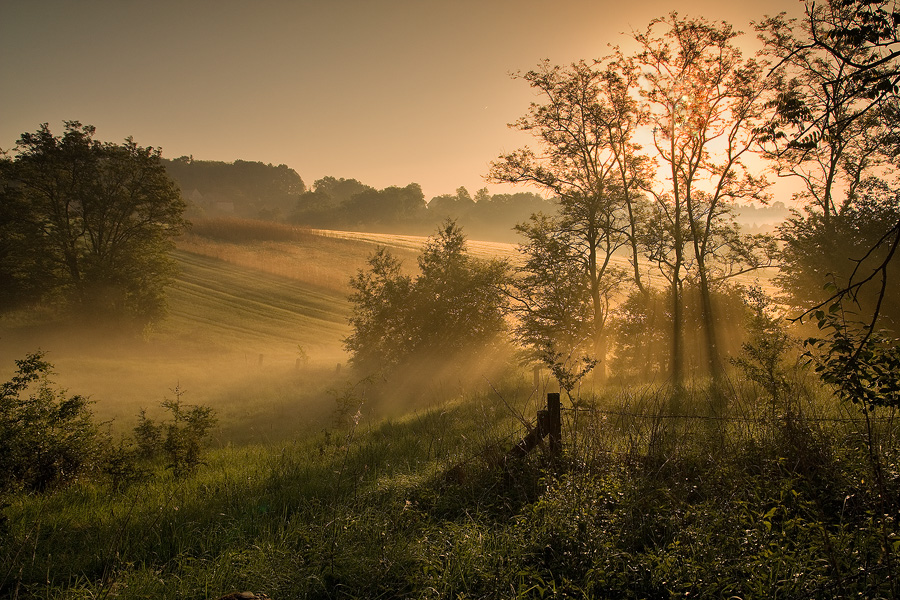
column 95, row 220
column 705, row 105
column 584, row 125
column 836, row 127
column 836, row 130
column 812, row 258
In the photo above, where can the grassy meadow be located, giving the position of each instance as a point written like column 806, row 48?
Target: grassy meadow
column 313, row 489
column 755, row 505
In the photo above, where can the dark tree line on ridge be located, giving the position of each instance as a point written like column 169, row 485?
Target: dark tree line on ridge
column 243, row 188
column 263, row 191
column 347, row 203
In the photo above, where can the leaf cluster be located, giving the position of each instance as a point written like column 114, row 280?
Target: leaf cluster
column 863, row 365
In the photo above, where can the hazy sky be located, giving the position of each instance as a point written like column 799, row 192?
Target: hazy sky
column 385, row 91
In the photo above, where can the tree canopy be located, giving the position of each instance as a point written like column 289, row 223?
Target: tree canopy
column 242, row 188
column 88, row 223
column 700, row 103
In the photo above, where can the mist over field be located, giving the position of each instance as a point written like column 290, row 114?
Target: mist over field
column 255, row 326
column 253, row 329
column 654, row 353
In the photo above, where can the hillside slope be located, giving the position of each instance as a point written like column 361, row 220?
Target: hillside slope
column 234, row 308
column 232, row 339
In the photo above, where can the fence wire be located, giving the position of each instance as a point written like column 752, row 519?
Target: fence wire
column 502, row 444
column 731, row 419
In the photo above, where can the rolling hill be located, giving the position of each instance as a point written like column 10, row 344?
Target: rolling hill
column 232, row 338
column 255, row 310
column 255, row 329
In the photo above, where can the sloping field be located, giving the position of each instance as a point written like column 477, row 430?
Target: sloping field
column 233, row 308
column 232, row 340
column 317, row 258
column 485, row 250
column 415, row 243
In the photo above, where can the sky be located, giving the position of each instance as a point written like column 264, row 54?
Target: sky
column 388, row 92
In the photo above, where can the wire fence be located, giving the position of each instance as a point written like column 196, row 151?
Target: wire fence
column 660, row 414
column 723, row 418
column 510, row 444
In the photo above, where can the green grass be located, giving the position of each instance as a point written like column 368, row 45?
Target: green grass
column 424, row 507
column 250, row 510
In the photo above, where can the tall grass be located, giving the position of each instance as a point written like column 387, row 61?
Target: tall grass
column 758, row 501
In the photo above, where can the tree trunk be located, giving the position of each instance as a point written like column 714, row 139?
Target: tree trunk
column 678, row 243
column 677, row 342
column 713, row 364
column 713, row 359
column 599, row 318
column 600, row 347
column 632, row 242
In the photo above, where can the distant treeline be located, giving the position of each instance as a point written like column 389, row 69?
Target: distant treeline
column 257, row 190
column 242, row 188
column 263, row 191
column 348, row 203
column 750, row 216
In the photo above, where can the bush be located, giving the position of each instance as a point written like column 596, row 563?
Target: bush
column 181, row 439
column 46, row 438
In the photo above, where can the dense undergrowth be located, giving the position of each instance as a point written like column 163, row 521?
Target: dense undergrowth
column 653, row 497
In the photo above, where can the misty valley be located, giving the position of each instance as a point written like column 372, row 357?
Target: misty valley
column 652, row 373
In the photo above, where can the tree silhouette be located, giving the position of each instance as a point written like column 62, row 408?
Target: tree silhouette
column 100, row 216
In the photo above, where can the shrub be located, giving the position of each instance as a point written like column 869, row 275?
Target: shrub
column 765, row 355
column 121, row 467
column 453, row 308
column 147, row 436
column 46, row 437
column 181, row 439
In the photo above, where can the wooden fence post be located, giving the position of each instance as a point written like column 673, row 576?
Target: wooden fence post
column 555, row 433
column 549, row 424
